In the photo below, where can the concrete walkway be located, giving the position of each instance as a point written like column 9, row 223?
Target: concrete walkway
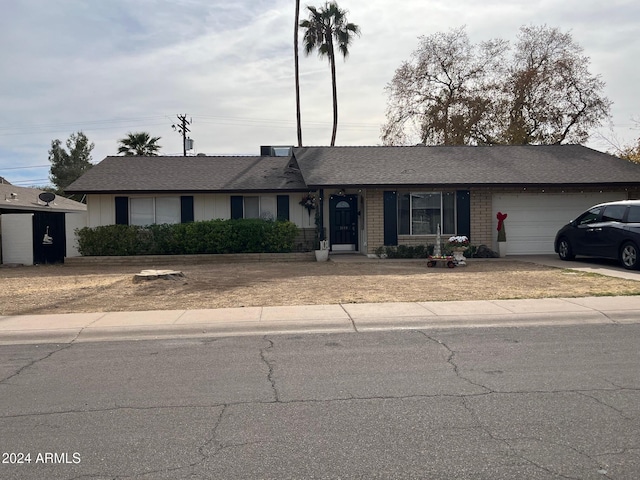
column 100, row 326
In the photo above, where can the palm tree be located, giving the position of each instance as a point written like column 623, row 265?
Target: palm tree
column 139, row 143
column 324, row 27
column 297, row 72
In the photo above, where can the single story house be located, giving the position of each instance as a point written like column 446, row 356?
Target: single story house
column 37, row 231
column 367, row 197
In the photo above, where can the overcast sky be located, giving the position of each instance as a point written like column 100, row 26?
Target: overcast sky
column 109, row 67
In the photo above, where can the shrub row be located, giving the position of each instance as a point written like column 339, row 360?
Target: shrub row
column 214, row 236
column 418, row 251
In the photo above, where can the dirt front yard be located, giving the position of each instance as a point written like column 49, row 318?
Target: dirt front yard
column 69, row 289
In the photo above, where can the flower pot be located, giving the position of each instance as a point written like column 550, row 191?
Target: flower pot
column 458, row 255
column 322, row 255
column 502, row 249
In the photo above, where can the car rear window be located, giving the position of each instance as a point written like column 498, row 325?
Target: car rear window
column 634, row 214
column 614, row 213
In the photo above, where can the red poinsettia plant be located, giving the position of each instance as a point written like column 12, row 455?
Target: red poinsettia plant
column 459, row 241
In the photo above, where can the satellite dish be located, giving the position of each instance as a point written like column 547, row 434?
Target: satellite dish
column 47, row 197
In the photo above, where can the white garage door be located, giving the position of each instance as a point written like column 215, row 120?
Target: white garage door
column 534, row 218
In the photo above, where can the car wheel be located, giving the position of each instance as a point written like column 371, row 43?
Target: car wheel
column 564, row 250
column 629, row 256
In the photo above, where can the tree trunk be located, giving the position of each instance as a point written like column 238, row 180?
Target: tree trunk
column 297, row 73
column 332, row 61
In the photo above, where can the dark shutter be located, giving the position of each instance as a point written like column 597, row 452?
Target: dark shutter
column 186, row 209
column 237, row 207
column 283, row 207
column 122, row 210
column 463, row 207
column 390, row 218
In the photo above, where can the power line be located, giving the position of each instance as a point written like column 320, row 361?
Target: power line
column 31, row 182
column 25, row 167
column 134, row 122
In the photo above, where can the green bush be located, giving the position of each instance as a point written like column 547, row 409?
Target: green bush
column 405, row 251
column 214, row 236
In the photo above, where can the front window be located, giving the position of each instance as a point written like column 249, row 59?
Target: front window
column 264, row 207
column 150, row 210
column 420, row 213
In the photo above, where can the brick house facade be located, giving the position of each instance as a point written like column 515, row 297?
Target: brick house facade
column 368, row 197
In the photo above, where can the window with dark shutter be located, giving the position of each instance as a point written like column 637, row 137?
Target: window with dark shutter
column 237, row 207
column 122, row 210
column 283, row 207
column 186, row 209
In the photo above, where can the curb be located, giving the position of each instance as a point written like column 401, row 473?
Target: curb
column 318, row 325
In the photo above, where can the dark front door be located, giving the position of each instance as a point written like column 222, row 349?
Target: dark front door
column 343, row 224
column 49, row 244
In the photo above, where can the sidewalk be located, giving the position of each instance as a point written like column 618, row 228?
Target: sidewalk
column 101, row 326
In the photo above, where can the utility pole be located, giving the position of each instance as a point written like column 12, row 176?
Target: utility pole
column 183, row 129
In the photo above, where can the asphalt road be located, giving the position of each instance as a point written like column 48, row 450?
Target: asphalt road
column 494, row 403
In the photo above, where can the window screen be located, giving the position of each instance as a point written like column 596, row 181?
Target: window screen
column 141, row 211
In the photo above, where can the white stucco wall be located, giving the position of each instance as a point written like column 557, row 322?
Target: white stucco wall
column 17, row 238
column 101, row 210
column 73, row 221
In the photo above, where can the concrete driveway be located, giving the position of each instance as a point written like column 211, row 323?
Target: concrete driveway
column 610, row 268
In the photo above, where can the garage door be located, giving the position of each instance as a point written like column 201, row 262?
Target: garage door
column 534, row 218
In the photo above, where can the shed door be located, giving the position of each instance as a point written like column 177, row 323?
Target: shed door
column 49, row 242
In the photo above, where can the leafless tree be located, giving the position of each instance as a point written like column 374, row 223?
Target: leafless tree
column 455, row 93
column 553, row 97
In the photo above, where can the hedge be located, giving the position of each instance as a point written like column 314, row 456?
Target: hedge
column 214, row 236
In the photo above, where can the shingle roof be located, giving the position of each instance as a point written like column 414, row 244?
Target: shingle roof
column 189, row 174
column 462, row 165
column 361, row 166
column 26, row 199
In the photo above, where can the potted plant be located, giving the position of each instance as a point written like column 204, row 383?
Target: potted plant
column 458, row 245
column 502, row 234
column 308, row 202
column 322, row 251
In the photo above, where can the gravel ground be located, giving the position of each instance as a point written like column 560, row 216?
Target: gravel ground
column 69, row 289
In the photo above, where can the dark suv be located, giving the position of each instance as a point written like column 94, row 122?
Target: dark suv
column 608, row 230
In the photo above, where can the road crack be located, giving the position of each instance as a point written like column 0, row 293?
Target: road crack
column 35, row 362
column 451, row 361
column 270, row 367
